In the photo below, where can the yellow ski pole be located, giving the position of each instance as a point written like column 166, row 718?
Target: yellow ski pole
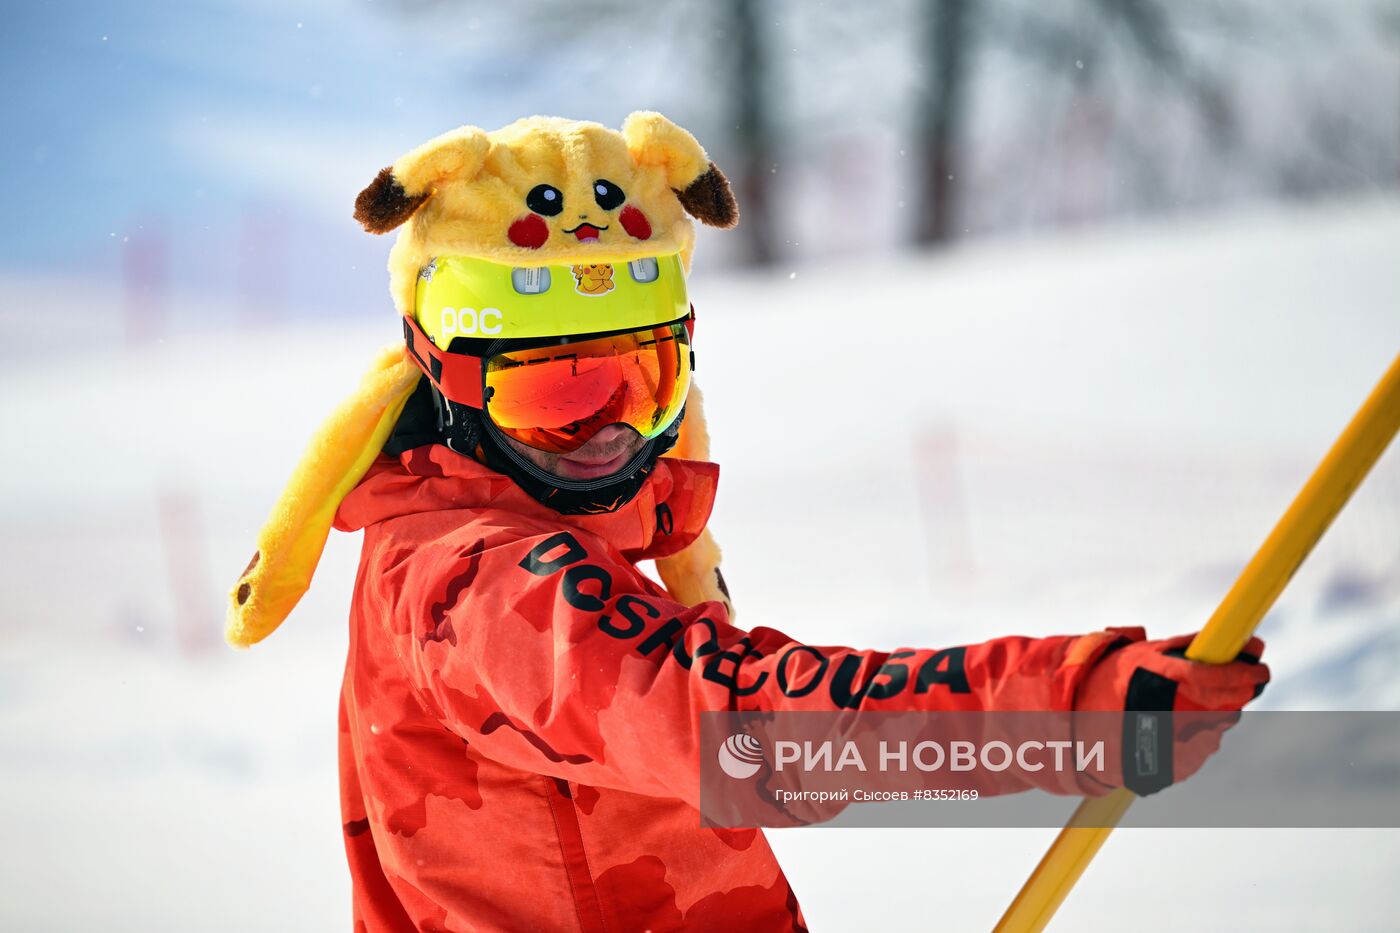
column 1229, row 628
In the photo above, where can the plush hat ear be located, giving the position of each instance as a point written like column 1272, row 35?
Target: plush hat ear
column 699, row 184
column 385, row 204
column 400, row 189
column 710, row 200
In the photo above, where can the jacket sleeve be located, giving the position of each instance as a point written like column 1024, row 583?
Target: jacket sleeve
column 553, row 654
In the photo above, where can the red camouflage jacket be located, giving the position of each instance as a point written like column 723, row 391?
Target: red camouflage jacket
column 518, row 745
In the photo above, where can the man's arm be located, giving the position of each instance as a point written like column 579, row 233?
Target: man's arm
column 565, row 660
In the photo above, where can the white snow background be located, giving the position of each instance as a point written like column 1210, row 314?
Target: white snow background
column 1009, row 438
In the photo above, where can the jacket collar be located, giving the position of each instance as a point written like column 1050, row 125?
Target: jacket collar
column 668, row 512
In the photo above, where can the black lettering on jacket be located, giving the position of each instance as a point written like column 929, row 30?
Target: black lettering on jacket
column 730, row 679
column 708, row 646
column 944, row 667
column 841, row 682
column 664, row 637
column 785, row 686
column 575, row 577
column 635, row 623
column 897, row 673
column 535, row 561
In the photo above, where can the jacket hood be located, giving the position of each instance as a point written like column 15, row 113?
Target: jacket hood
column 668, row 512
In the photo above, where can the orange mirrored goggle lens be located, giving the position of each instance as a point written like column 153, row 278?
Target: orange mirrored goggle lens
column 556, row 398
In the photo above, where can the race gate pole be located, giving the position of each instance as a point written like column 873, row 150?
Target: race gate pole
column 1230, row 627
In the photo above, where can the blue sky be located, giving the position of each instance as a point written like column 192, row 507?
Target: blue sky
column 220, row 120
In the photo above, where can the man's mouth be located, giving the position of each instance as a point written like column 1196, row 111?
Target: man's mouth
column 586, row 231
column 590, row 468
column 603, row 456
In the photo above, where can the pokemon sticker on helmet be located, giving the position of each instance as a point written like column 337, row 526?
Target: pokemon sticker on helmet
column 594, row 278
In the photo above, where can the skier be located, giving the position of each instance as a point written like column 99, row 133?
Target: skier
column 519, row 712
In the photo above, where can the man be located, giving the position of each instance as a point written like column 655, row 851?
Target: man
column 519, row 717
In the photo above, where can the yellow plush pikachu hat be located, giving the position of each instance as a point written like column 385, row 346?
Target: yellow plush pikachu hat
column 482, row 194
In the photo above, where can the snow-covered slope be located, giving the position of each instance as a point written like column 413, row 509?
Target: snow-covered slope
column 925, row 450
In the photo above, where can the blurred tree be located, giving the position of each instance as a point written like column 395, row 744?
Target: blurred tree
column 947, row 44
column 1067, row 40
column 1388, row 26
column 747, row 103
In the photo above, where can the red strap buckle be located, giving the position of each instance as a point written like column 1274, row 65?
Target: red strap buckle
column 456, row 375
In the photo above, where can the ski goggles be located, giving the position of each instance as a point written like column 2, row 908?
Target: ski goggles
column 556, row 397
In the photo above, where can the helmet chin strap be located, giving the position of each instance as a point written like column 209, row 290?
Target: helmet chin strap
column 466, row 431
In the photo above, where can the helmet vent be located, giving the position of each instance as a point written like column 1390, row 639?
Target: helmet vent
column 644, row 270
column 531, row 281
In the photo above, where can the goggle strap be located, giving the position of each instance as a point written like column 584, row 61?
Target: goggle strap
column 690, row 334
column 456, row 375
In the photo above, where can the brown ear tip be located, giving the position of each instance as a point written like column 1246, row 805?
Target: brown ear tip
column 710, row 200
column 384, row 204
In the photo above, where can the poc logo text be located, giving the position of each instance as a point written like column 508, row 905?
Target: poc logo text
column 470, row 321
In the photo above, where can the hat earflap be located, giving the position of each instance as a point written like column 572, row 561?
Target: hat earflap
column 291, row 541
column 693, row 576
